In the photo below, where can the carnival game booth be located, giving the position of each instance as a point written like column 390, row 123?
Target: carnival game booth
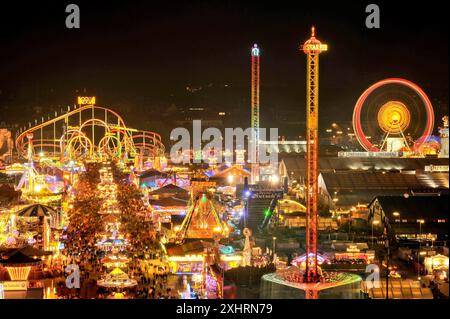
column 230, row 258
column 19, row 267
column 189, row 257
column 356, row 252
column 437, row 266
column 201, row 264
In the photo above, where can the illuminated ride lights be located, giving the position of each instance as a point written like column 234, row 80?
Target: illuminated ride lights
column 394, row 117
column 78, row 141
column 312, row 48
column 19, row 266
column 255, row 53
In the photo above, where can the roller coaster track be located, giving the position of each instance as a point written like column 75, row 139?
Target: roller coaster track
column 70, row 135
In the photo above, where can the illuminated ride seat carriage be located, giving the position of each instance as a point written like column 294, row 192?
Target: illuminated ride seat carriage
column 297, row 272
column 289, row 281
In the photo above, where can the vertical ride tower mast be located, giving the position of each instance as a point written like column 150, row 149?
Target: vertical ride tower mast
column 255, row 112
column 312, row 48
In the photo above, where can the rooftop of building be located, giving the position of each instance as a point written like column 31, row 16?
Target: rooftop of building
column 296, row 164
column 415, row 207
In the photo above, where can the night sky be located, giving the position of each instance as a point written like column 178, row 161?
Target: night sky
column 138, row 57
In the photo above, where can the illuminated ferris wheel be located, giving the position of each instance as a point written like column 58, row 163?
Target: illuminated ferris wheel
column 393, row 115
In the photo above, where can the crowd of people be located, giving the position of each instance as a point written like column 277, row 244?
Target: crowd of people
column 85, row 223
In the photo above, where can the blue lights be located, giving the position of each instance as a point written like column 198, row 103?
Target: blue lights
column 226, row 250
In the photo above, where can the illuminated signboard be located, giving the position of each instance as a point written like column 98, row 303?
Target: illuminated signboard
column 203, row 184
column 264, row 193
column 14, row 285
column 369, row 154
column 436, row 168
column 315, row 47
column 86, row 100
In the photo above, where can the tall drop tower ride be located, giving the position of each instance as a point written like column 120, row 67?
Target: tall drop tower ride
column 312, row 48
column 255, row 112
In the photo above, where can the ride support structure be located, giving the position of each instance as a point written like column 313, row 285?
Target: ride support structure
column 312, row 48
column 87, row 131
column 255, row 87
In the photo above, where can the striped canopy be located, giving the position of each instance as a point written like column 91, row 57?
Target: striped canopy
column 36, row 210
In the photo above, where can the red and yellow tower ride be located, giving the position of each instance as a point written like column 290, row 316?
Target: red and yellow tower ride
column 255, row 112
column 312, row 48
